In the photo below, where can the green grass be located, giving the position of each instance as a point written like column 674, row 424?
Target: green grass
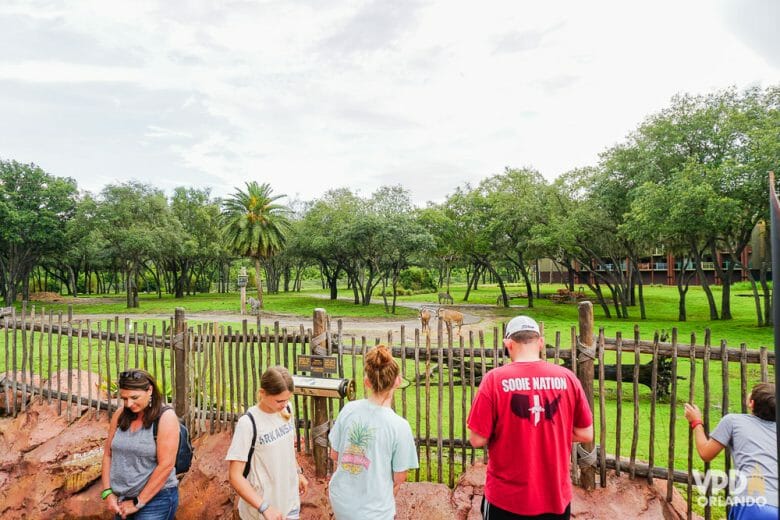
column 661, row 309
column 661, row 304
column 294, row 303
column 431, row 421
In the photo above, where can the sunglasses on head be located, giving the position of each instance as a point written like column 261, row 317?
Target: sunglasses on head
column 132, row 375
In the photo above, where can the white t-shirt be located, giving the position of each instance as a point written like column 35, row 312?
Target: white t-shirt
column 273, row 470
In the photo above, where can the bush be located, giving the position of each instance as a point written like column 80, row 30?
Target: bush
column 416, row 279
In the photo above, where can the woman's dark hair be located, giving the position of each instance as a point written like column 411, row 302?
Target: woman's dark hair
column 276, row 380
column 381, row 369
column 764, row 406
column 137, row 379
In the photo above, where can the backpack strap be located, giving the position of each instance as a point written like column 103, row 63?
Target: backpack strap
column 251, row 446
column 156, row 422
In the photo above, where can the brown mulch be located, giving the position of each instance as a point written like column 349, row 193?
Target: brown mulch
column 48, row 297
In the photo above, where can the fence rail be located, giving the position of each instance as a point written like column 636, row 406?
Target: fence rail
column 211, row 373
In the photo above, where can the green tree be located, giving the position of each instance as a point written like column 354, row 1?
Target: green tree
column 727, row 140
column 255, row 226
column 479, row 233
column 443, row 255
column 34, row 210
column 135, row 221
column 322, row 235
column 680, row 215
column 196, row 247
column 82, row 250
column 516, row 204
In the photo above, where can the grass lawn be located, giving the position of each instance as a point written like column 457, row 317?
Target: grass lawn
column 294, row 303
column 434, row 411
column 661, row 304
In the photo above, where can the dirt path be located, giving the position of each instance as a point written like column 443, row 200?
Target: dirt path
column 475, row 317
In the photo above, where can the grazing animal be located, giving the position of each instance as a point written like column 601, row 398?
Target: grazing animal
column 425, row 319
column 445, row 297
column 451, row 317
column 254, row 305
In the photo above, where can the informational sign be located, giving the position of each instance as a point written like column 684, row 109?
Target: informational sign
column 318, row 365
column 242, row 278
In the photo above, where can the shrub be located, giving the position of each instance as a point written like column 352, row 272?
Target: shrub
column 416, row 279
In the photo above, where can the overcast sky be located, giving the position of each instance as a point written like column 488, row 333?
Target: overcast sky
column 313, row 95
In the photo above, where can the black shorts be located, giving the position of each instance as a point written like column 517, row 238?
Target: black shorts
column 491, row 512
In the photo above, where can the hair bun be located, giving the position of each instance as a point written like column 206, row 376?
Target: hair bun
column 381, row 368
column 379, row 357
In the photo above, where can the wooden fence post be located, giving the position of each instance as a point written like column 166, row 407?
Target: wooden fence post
column 585, row 355
column 181, row 403
column 321, row 419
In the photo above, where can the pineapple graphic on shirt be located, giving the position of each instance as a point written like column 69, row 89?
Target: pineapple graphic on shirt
column 354, row 458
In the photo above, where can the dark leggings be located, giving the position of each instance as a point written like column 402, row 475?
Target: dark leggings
column 491, row 512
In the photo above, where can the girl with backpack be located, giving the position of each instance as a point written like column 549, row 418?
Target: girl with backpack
column 139, row 475
column 262, row 465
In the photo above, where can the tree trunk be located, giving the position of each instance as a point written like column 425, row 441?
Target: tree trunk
column 682, row 289
column 681, row 314
column 395, row 289
column 768, row 319
column 756, row 299
column 640, row 285
column 529, row 288
column 726, row 276
column 384, row 294
column 178, row 284
column 258, row 282
column 473, row 282
column 596, row 288
column 131, row 289
column 72, row 282
column 704, row 283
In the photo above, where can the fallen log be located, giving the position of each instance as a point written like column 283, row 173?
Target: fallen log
column 663, row 378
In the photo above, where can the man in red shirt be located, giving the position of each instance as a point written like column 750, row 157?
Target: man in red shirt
column 528, row 413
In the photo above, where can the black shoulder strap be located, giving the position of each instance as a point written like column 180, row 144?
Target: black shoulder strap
column 251, row 446
column 156, row 422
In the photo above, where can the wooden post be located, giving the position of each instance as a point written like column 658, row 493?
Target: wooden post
column 180, row 363
column 321, row 419
column 242, row 279
column 585, row 355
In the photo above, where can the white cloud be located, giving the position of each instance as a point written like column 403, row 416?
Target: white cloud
column 310, row 96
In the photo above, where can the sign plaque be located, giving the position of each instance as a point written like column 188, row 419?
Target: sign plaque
column 318, row 365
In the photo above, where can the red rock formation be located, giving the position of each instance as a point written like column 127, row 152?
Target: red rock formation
column 49, row 469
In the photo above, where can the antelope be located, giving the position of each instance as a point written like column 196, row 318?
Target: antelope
column 445, row 297
column 254, row 305
column 425, row 319
column 451, row 317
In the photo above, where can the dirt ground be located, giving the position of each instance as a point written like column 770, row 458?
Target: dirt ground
column 476, row 317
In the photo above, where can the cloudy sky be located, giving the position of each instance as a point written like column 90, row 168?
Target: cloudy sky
column 317, row 94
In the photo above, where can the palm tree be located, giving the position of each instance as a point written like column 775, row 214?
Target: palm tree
column 254, row 226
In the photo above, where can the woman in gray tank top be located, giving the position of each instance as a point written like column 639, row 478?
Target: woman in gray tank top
column 751, row 439
column 139, row 479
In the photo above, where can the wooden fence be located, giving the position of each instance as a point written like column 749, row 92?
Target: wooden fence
column 210, row 372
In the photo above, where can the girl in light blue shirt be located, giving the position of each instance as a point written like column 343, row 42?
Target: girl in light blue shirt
column 372, row 446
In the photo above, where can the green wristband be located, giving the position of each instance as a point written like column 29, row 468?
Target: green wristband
column 106, row 492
